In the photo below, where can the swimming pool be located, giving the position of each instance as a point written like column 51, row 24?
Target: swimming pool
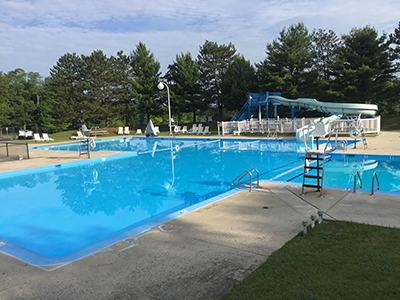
column 62, row 212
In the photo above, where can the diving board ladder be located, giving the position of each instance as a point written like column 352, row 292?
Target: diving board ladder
column 314, row 160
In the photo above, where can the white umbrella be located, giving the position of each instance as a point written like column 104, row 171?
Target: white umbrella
column 150, row 129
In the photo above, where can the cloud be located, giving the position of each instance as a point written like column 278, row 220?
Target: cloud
column 36, row 33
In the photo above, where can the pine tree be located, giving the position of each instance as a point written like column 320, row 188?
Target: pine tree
column 213, row 61
column 183, row 78
column 146, row 72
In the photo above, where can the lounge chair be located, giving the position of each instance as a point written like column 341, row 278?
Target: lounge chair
column 37, row 138
column 209, row 119
column 177, row 129
column 184, row 129
column 206, row 130
column 126, row 130
column 120, row 130
column 156, row 129
column 46, row 137
column 193, row 130
column 80, row 136
column 200, row 129
column 202, row 120
column 138, row 131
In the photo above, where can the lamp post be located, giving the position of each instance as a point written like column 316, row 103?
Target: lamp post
column 160, row 86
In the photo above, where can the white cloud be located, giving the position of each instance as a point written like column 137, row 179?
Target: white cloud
column 35, row 34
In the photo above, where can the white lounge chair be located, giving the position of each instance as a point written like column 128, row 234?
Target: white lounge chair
column 126, row 130
column 193, row 129
column 46, row 137
column 120, row 130
column 139, row 131
column 206, row 130
column 37, row 138
column 184, row 129
column 200, row 129
column 80, row 136
column 177, row 129
column 156, row 129
column 209, row 119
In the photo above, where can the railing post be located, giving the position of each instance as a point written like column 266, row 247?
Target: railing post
column 27, row 150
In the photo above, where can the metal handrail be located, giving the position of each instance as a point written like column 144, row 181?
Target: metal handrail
column 242, row 175
column 374, row 175
column 355, row 179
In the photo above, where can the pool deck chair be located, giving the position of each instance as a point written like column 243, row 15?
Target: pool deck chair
column 46, row 137
column 184, row 129
column 37, row 138
column 177, row 129
column 200, row 129
column 156, row 130
column 120, row 130
column 138, row 131
column 126, row 130
column 80, row 136
column 209, row 119
column 193, row 130
column 206, row 130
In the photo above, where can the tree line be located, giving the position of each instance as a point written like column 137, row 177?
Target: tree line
column 97, row 90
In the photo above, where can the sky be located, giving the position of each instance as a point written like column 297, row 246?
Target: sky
column 34, row 34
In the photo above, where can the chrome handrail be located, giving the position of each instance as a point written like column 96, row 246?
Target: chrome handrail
column 355, row 179
column 374, row 175
column 242, row 175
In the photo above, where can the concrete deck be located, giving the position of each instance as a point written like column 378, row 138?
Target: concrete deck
column 201, row 254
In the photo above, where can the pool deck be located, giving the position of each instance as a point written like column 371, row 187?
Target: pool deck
column 202, row 254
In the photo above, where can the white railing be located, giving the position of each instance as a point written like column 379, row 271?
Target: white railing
column 370, row 125
column 262, row 126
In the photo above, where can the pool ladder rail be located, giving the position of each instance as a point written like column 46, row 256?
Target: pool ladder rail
column 246, row 184
column 373, row 188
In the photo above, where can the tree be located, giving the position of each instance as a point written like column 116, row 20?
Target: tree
column 69, row 105
column 100, row 80
column 124, row 92
column 288, row 62
column 213, row 61
column 24, row 89
column 238, row 80
column 183, row 78
column 146, row 72
column 325, row 48
column 364, row 67
column 4, row 99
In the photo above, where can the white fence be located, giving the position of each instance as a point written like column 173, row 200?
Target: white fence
column 370, row 125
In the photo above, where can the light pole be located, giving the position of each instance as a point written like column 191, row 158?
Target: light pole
column 160, row 87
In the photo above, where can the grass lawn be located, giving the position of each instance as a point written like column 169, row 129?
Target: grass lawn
column 335, row 260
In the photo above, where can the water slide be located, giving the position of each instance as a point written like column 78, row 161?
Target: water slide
column 368, row 110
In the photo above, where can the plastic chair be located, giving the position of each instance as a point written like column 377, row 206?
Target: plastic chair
column 206, row 130
column 184, row 129
column 139, row 131
column 46, row 137
column 37, row 138
column 126, row 130
column 120, row 130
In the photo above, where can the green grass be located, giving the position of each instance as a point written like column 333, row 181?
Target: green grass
column 390, row 123
column 336, row 260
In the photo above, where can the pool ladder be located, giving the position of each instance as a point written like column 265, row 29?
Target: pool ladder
column 246, row 184
column 373, row 188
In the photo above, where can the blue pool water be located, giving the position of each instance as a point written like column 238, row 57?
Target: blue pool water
column 61, row 212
